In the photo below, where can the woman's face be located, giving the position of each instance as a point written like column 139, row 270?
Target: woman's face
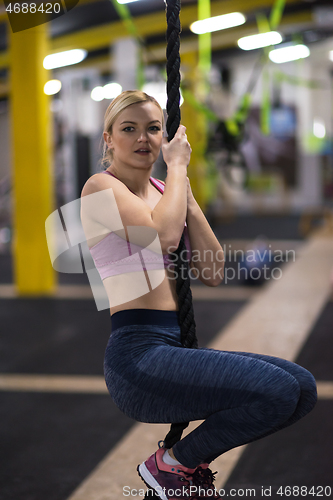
column 136, row 136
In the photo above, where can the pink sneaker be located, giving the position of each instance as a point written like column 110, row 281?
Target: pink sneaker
column 170, row 482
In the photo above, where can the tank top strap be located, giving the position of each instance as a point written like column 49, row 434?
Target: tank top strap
column 158, row 184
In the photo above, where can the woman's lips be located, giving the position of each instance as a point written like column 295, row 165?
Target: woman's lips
column 143, row 152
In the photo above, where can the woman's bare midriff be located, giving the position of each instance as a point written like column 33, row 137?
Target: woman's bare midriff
column 163, row 297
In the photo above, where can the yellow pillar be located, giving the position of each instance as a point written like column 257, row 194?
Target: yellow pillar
column 196, row 128
column 31, row 161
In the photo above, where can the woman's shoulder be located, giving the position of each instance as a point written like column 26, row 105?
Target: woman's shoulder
column 98, row 182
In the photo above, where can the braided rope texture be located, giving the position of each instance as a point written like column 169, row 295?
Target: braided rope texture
column 185, row 302
column 173, row 66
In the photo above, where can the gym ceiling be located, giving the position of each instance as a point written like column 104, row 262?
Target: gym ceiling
column 94, row 25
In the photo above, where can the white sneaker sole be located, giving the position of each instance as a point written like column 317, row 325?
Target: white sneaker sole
column 151, row 481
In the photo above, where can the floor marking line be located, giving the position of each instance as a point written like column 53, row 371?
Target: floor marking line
column 324, row 389
column 53, row 383
column 224, row 292
column 88, row 384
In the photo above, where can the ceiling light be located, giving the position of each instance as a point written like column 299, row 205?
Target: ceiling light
column 97, row 94
column 126, row 1
column 64, row 58
column 260, row 40
column 52, row 87
column 331, row 55
column 218, row 23
column 157, row 90
column 290, row 53
column 112, row 90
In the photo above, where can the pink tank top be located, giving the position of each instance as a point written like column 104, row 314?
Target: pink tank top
column 113, row 255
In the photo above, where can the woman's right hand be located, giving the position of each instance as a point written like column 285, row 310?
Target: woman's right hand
column 178, row 151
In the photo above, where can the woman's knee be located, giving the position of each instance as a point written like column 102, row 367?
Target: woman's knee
column 292, row 397
column 306, row 382
column 281, row 402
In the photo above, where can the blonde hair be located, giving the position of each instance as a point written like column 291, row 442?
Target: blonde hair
column 121, row 102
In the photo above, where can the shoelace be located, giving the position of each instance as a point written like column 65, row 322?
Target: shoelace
column 200, row 478
column 189, row 482
column 204, row 478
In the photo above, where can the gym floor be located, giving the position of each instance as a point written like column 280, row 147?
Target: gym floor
column 62, row 437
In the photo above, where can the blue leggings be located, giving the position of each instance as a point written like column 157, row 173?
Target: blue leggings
column 240, row 396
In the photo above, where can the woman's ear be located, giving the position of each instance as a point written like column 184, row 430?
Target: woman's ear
column 107, row 139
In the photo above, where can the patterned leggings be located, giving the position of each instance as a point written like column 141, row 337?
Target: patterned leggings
column 240, row 396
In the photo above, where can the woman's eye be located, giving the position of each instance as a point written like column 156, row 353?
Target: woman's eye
column 155, row 128
column 128, row 129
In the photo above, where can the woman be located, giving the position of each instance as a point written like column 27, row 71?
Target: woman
column 240, row 396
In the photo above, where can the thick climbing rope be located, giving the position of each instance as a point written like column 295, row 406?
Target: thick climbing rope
column 185, row 304
column 186, row 313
